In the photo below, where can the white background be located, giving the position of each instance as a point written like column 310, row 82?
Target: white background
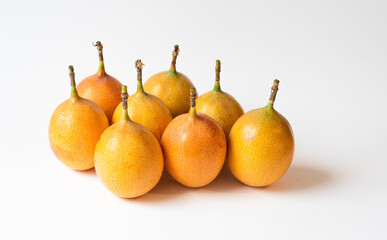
column 329, row 55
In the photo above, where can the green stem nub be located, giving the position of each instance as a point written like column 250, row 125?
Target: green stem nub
column 217, row 75
column 274, row 90
column 99, row 46
column 139, row 66
column 72, row 79
column 175, row 53
column 124, row 98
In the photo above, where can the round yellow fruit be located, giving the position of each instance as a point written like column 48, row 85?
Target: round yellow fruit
column 74, row 130
column 101, row 88
column 194, row 148
column 260, row 147
column 145, row 109
column 128, row 159
column 171, row 87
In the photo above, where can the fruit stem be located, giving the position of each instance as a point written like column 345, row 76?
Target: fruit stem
column 217, row 76
column 74, row 92
column 174, row 57
column 101, row 68
column 192, row 110
column 139, row 66
column 273, row 94
column 124, row 98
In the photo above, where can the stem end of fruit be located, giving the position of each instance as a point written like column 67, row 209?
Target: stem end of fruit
column 74, row 92
column 274, row 90
column 217, row 76
column 99, row 47
column 124, row 98
column 175, row 53
column 139, row 66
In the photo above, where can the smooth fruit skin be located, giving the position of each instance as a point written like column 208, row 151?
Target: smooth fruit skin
column 171, row 88
column 194, row 149
column 148, row 111
column 128, row 159
column 220, row 106
column 102, row 89
column 74, row 130
column 260, row 147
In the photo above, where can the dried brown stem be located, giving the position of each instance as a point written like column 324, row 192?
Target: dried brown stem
column 193, row 97
column 99, row 46
column 175, row 53
column 274, row 90
column 217, row 70
column 72, row 75
column 124, row 98
column 139, row 66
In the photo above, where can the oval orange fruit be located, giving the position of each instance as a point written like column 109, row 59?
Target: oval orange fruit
column 145, row 109
column 128, row 157
column 101, row 88
column 194, row 148
column 219, row 105
column 171, row 87
column 261, row 145
column 75, row 128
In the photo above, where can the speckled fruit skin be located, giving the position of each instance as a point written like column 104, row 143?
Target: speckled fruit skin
column 102, row 89
column 128, row 159
column 221, row 106
column 260, row 147
column 148, row 111
column 171, row 88
column 74, row 130
column 194, row 149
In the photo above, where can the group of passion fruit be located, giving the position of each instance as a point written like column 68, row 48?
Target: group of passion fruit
column 165, row 124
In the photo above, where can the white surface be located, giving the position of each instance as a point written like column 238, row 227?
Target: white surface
column 329, row 55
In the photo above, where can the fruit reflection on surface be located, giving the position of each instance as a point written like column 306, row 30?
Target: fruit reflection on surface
column 194, row 147
column 101, row 88
column 74, row 129
column 128, row 157
column 261, row 145
column 145, row 109
column 171, row 87
column 219, row 105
